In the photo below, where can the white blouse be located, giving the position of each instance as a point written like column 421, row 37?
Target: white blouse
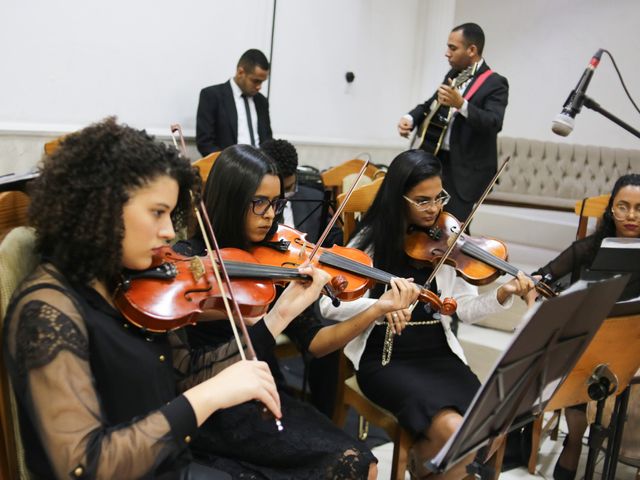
column 472, row 308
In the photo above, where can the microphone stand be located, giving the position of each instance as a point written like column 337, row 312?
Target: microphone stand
column 593, row 105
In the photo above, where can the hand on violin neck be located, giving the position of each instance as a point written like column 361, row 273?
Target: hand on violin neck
column 532, row 295
column 295, row 299
column 520, row 286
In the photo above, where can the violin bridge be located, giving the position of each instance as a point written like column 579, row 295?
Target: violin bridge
column 303, row 252
column 196, row 267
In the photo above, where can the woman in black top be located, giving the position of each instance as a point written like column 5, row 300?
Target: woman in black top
column 620, row 219
column 244, row 196
column 98, row 397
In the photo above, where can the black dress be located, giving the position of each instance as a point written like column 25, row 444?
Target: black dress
column 97, row 396
column 242, row 442
column 423, row 377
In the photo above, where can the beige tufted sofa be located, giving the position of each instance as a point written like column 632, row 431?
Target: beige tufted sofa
column 555, row 175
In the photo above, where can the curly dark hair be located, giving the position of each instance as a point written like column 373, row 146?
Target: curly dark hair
column 77, row 200
column 283, row 153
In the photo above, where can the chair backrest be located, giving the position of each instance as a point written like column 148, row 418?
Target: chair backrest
column 333, row 178
column 205, row 164
column 359, row 202
column 590, row 207
column 17, row 260
column 52, row 145
column 13, row 211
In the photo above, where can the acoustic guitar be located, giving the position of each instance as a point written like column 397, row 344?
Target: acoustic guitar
column 432, row 129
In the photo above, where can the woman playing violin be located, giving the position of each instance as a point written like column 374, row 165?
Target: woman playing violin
column 244, row 196
column 426, row 383
column 98, row 397
column 620, row 219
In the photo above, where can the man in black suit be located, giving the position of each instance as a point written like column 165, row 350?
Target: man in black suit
column 235, row 111
column 469, row 148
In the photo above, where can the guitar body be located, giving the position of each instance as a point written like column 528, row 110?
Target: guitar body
column 433, row 128
column 430, row 133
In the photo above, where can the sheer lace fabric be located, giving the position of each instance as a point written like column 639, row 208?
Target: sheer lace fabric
column 69, row 429
column 241, row 442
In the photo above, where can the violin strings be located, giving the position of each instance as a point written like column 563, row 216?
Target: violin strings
column 352, row 266
column 486, row 257
column 252, row 270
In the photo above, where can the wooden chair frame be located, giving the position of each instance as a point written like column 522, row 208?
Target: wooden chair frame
column 359, row 202
column 205, row 164
column 333, row 177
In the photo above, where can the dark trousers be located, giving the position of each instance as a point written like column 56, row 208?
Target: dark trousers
column 457, row 206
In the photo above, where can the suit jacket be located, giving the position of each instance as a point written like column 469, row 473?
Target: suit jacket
column 473, row 150
column 217, row 118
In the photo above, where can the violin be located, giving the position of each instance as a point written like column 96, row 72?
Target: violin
column 289, row 248
column 479, row 260
column 177, row 288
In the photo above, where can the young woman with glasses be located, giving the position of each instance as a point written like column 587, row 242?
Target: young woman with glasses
column 426, row 383
column 621, row 219
column 244, row 196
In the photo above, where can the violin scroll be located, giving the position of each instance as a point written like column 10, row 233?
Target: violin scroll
column 445, row 306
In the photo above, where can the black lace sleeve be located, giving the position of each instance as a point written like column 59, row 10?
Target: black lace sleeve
column 43, row 332
column 47, row 347
column 571, row 262
column 304, row 328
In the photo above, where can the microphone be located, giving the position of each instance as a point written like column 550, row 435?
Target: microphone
column 563, row 123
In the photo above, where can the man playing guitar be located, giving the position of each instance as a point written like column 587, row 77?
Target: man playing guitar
column 461, row 121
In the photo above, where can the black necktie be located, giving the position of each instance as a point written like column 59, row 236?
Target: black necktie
column 248, row 110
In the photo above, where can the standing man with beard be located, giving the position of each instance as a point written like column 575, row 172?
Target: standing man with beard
column 470, row 119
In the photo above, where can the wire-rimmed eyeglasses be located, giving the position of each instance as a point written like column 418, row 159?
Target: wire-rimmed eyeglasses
column 622, row 211
column 441, row 200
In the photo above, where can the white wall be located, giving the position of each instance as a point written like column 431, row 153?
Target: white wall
column 69, row 63
column 316, row 43
column 543, row 47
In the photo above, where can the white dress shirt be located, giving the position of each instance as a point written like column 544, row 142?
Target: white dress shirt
column 243, row 126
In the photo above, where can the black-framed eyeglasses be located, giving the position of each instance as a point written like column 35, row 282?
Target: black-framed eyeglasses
column 259, row 205
column 440, row 201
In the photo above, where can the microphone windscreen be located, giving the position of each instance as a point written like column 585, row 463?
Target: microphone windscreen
column 562, row 125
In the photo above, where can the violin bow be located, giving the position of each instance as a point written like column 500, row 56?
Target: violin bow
column 454, row 237
column 220, row 271
column 339, row 210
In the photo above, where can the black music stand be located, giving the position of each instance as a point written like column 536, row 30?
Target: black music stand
column 618, row 255
column 11, row 181
column 553, row 336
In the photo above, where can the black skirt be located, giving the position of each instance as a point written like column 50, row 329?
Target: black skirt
column 245, row 444
column 423, row 377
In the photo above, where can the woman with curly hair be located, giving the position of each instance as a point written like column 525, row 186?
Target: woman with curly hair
column 98, row 397
column 621, row 219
